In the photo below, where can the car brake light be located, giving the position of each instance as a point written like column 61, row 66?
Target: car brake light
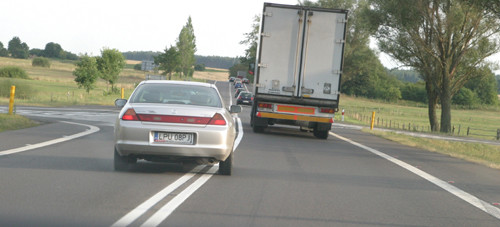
column 251, row 98
column 130, row 115
column 327, row 110
column 217, row 119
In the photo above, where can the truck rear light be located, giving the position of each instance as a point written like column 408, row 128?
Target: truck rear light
column 327, row 110
column 266, row 105
column 217, row 119
column 130, row 115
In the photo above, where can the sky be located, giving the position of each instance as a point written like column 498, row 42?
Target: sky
column 88, row 26
column 142, row 25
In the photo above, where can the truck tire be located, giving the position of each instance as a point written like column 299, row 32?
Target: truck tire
column 321, row 134
column 122, row 163
column 226, row 167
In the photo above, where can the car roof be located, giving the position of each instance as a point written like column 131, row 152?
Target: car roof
column 177, row 82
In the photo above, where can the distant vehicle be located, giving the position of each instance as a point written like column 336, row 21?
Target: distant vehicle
column 241, row 74
column 245, row 97
column 245, row 81
column 231, row 79
column 238, row 85
column 299, row 67
column 175, row 121
column 237, row 92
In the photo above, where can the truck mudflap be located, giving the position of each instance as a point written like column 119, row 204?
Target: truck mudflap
column 294, row 117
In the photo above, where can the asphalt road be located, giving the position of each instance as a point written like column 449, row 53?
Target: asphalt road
column 282, row 177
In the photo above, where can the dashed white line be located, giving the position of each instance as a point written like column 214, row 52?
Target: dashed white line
column 471, row 199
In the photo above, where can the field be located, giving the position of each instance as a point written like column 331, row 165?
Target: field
column 481, row 123
column 55, row 86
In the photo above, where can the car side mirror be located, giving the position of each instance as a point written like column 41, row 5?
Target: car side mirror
column 120, row 102
column 235, row 109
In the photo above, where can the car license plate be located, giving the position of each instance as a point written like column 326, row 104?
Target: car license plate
column 173, row 137
column 245, row 101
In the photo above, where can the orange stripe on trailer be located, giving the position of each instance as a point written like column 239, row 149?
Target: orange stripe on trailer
column 295, row 109
column 296, row 117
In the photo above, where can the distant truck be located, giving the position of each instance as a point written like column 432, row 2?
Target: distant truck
column 241, row 74
column 298, row 67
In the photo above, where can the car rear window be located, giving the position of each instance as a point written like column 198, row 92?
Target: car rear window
column 176, row 94
column 246, row 95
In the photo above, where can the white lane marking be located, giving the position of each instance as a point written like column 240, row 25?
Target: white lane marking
column 240, row 134
column 230, row 95
column 148, row 204
column 92, row 129
column 166, row 210
column 482, row 205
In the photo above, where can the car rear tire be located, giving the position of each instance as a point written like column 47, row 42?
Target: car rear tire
column 321, row 134
column 122, row 163
column 226, row 167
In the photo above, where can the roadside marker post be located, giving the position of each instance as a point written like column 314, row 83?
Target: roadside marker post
column 11, row 102
column 373, row 120
column 343, row 112
column 123, row 93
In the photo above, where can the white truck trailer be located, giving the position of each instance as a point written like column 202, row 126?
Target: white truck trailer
column 298, row 67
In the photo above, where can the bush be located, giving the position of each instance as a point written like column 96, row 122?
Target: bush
column 40, row 62
column 138, row 66
column 23, row 90
column 13, row 72
column 465, row 97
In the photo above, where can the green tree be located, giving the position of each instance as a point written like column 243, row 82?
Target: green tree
column 17, row 49
column 3, row 52
column 445, row 40
column 186, row 46
column 168, row 61
column 110, row 64
column 53, row 50
column 484, row 86
column 86, row 73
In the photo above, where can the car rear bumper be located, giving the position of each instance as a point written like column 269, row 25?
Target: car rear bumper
column 132, row 138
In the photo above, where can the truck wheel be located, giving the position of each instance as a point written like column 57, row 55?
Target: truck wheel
column 226, row 167
column 321, row 134
column 122, row 163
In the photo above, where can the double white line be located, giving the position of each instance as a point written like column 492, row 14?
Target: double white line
column 168, row 208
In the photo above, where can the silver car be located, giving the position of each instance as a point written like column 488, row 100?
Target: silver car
column 175, row 121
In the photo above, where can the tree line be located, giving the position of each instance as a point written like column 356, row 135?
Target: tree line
column 209, row 61
column 18, row 49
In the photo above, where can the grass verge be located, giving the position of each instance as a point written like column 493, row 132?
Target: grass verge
column 13, row 122
column 488, row 155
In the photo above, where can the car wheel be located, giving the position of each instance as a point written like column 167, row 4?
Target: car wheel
column 321, row 134
column 122, row 163
column 226, row 167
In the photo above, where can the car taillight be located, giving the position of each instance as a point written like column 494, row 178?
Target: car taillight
column 327, row 110
column 130, row 115
column 251, row 98
column 217, row 119
column 239, row 97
